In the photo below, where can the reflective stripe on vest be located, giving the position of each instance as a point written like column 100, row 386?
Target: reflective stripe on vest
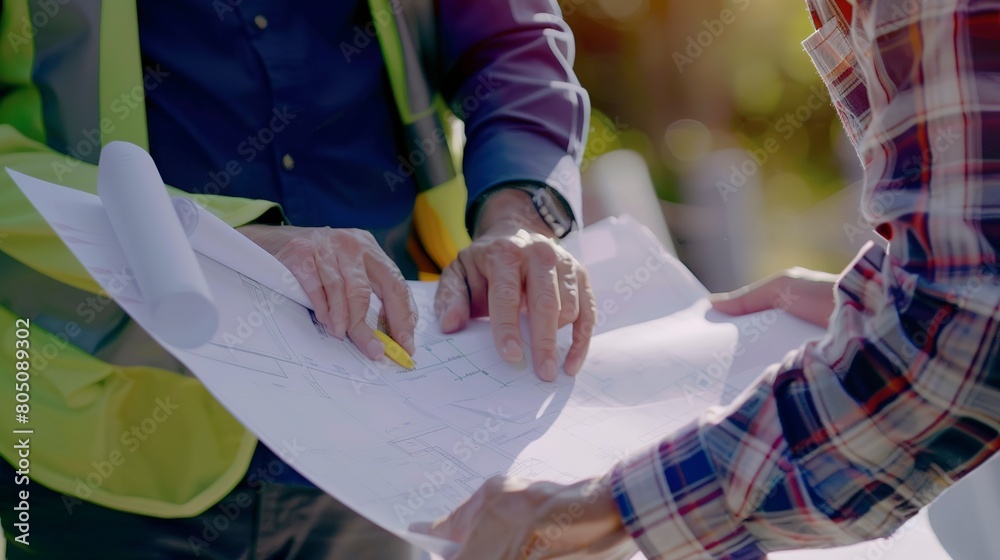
column 439, row 212
column 80, row 114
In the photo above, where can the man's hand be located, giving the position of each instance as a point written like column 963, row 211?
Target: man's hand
column 810, row 293
column 340, row 269
column 513, row 263
column 510, row 519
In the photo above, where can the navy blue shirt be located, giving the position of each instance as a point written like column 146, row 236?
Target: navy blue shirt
column 261, row 103
column 290, row 102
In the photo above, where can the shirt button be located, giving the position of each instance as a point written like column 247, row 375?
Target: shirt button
column 287, row 162
column 260, row 21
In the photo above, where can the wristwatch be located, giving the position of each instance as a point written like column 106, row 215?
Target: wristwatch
column 551, row 207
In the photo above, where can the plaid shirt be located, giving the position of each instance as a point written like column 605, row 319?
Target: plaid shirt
column 855, row 432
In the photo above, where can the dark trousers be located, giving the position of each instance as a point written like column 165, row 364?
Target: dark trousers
column 254, row 522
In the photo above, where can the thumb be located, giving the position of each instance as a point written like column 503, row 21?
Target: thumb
column 451, row 303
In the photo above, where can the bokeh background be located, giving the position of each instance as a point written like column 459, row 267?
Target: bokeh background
column 695, row 87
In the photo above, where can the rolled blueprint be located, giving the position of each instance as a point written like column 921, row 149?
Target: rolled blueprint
column 188, row 213
column 156, row 245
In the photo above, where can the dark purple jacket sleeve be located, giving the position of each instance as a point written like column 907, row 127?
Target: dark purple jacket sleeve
column 508, row 73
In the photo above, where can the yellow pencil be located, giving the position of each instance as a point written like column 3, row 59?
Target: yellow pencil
column 395, row 351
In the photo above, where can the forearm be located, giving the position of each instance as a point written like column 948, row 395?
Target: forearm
column 840, row 443
column 854, row 433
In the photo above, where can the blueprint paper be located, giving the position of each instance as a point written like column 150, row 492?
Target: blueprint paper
column 214, row 239
column 634, row 277
column 404, row 446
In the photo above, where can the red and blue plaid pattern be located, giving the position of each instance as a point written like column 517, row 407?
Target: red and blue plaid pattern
column 855, row 432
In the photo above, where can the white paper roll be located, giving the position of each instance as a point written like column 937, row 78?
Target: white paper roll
column 156, row 246
column 188, row 213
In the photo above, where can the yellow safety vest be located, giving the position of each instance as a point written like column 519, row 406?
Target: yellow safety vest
column 82, row 410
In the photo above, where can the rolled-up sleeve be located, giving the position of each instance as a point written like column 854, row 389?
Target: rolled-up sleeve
column 852, row 434
column 509, row 76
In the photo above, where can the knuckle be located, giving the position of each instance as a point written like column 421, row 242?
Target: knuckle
column 571, row 304
column 546, row 345
column 585, row 330
column 507, row 328
column 504, row 251
column 544, row 252
column 569, row 312
column 334, row 281
column 359, row 294
column 399, row 289
column 508, row 296
column 572, row 292
column 446, row 290
column 547, row 303
column 454, row 282
column 451, row 290
column 569, row 284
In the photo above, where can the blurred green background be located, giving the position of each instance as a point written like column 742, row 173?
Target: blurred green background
column 680, row 81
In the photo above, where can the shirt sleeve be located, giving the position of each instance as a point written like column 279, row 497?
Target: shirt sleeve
column 853, row 433
column 508, row 74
